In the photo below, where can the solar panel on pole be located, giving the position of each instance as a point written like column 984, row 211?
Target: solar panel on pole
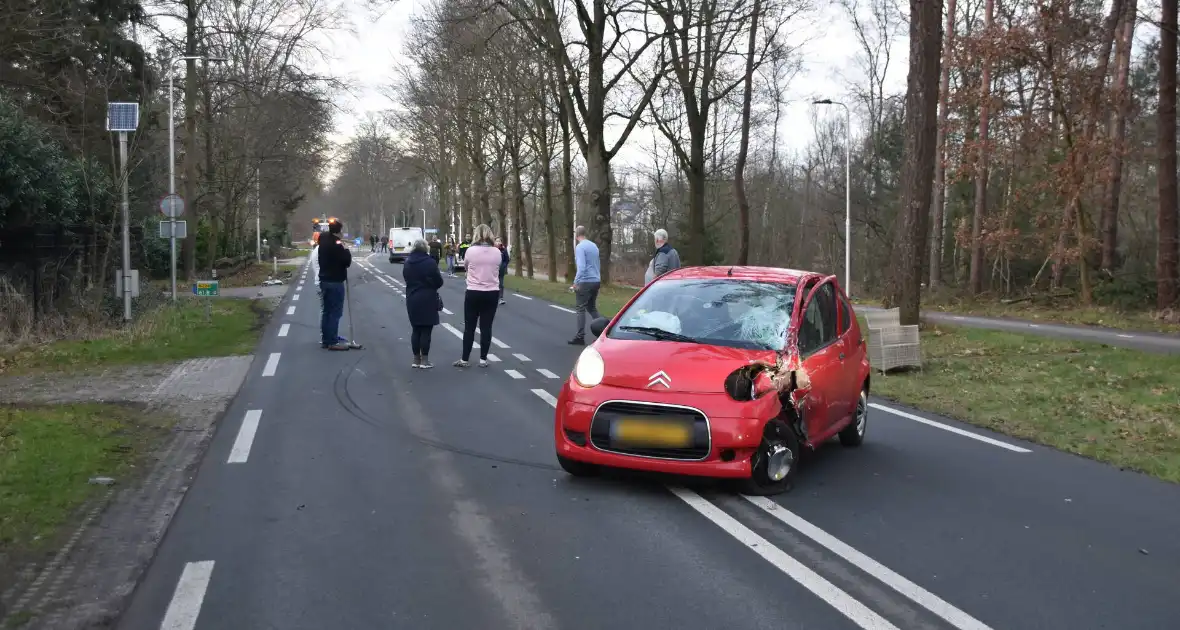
column 122, row 116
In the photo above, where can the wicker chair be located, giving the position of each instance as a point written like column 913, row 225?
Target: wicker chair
column 892, row 345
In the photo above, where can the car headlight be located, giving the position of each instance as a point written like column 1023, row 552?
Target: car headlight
column 589, row 369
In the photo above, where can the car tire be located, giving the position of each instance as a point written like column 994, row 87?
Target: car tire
column 577, row 468
column 760, row 483
column 854, row 434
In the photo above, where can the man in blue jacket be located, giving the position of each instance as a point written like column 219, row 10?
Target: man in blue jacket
column 334, row 261
column 587, row 281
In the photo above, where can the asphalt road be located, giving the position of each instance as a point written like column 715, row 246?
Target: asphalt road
column 1134, row 339
column 346, row 490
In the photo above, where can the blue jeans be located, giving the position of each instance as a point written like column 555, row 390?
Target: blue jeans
column 333, row 309
column 451, row 265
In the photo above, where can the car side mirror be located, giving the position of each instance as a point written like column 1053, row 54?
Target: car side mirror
column 598, row 325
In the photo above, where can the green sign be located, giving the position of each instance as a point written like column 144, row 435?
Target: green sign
column 206, row 288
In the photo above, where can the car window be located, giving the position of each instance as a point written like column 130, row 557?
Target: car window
column 845, row 316
column 827, row 305
column 819, row 321
column 719, row 311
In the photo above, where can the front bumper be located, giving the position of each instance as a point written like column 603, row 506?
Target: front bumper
column 735, row 430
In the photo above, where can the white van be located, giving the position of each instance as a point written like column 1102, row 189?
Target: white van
column 401, row 241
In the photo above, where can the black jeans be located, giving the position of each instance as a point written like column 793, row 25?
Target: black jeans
column 420, row 340
column 586, row 301
column 502, row 274
column 478, row 306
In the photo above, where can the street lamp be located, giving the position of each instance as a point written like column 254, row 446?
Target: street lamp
column 847, row 191
column 172, row 157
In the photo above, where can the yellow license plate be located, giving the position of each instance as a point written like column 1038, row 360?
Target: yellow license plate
column 660, row 433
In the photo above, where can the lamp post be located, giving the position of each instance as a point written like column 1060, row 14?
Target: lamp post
column 847, row 191
column 172, row 157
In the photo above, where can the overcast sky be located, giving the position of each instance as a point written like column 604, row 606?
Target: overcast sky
column 368, row 55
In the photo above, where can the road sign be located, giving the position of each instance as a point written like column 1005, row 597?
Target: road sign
column 207, row 288
column 432, row 230
column 122, row 116
column 134, row 284
column 166, row 229
column 172, row 206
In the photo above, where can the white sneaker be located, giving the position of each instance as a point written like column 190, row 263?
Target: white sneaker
column 483, row 363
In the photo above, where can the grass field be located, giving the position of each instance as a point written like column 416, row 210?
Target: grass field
column 47, row 456
column 1114, row 405
column 163, row 334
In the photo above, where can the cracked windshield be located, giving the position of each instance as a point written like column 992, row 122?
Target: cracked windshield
column 572, row 315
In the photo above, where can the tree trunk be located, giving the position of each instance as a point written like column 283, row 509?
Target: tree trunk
column 982, row 167
column 1118, row 137
column 598, row 181
column 739, row 174
column 921, row 130
column 214, row 235
column 1167, row 266
column 936, row 205
column 567, row 193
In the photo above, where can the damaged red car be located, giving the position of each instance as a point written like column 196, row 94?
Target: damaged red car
column 718, row 372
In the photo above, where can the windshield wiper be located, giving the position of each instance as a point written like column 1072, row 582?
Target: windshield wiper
column 659, row 333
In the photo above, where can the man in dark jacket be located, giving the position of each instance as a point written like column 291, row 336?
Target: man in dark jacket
column 435, row 249
column 503, row 266
column 335, row 259
column 423, row 280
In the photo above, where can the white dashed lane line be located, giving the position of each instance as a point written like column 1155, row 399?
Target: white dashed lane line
column 447, row 311
column 241, row 450
column 272, row 363
column 521, row 357
column 284, row 329
column 498, row 343
column 514, row 374
column 545, row 396
column 547, row 373
column 947, row 427
column 562, row 308
column 295, row 298
column 186, row 602
column 493, row 358
column 290, row 310
column 523, row 297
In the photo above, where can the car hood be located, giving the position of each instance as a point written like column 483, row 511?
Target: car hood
column 672, row 366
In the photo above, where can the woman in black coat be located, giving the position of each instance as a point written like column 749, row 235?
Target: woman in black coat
column 423, row 281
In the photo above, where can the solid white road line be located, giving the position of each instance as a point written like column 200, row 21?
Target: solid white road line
column 447, row 311
column 290, row 310
column 562, row 308
column 1127, row 336
column 187, row 598
column 947, row 427
column 498, row 343
column 514, row 374
column 521, row 357
column 241, row 449
column 295, row 298
column 917, row 594
column 523, row 297
column 545, row 396
column 847, row 605
column 271, row 364
column 284, row 329
column 493, row 358
column 547, row 373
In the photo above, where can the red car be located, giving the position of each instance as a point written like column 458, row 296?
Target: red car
column 718, row 372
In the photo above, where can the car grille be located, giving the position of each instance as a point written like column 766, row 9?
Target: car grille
column 601, row 425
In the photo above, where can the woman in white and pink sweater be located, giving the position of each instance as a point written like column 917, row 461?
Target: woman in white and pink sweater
column 482, row 296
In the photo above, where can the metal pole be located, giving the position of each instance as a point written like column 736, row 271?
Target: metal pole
column 126, row 229
column 257, row 214
column 171, row 182
column 423, row 220
column 848, row 201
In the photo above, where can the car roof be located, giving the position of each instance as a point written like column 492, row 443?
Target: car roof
column 762, row 274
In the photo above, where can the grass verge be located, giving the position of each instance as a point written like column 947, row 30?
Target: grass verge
column 254, row 275
column 1111, row 404
column 165, row 333
column 47, row 456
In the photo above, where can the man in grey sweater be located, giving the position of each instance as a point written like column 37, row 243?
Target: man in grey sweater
column 666, row 258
